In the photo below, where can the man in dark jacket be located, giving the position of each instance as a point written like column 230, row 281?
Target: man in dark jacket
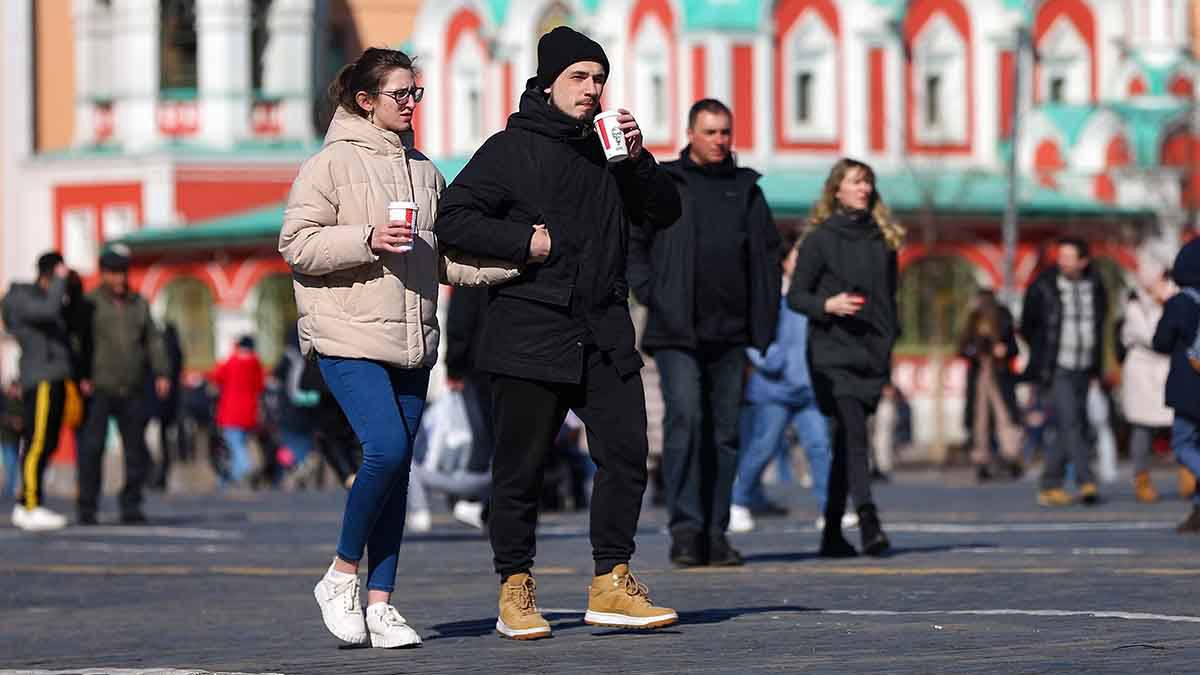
column 122, row 347
column 559, row 337
column 1063, row 322
column 1176, row 335
column 35, row 315
column 711, row 284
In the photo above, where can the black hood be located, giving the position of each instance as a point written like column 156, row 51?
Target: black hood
column 853, row 224
column 537, row 115
column 723, row 169
column 1186, row 271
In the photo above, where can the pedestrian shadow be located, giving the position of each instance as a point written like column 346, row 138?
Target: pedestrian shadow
column 799, row 556
column 482, row 627
column 803, row 556
column 723, row 614
column 572, row 620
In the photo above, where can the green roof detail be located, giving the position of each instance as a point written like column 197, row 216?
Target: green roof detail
column 722, row 14
column 1069, row 119
column 1147, row 123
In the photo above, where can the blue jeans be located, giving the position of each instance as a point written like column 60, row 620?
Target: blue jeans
column 1185, row 443
column 761, row 437
column 239, row 452
column 384, row 405
column 10, row 469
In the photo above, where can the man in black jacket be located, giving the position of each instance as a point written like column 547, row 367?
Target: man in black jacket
column 541, row 194
column 711, row 284
column 1063, row 322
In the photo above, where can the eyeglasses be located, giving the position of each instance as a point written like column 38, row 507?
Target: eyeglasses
column 401, row 95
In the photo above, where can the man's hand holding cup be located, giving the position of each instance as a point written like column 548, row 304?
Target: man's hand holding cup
column 619, row 134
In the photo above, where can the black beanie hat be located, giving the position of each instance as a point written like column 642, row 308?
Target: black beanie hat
column 561, row 47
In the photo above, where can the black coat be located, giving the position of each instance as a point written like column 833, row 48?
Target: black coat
column 546, row 167
column 662, row 263
column 850, row 356
column 465, row 318
column 1041, row 323
column 973, row 349
column 1177, row 331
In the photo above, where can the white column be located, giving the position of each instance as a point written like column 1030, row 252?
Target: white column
column 223, row 62
column 93, row 65
column 288, row 65
column 855, row 83
column 135, row 33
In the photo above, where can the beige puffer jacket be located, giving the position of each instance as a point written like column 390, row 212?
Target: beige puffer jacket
column 354, row 302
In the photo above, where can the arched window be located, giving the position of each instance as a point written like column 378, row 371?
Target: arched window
column 555, row 15
column 275, row 311
column 189, row 305
column 1064, row 59
column 651, row 80
column 810, row 80
column 177, row 47
column 467, row 63
column 934, row 300
column 939, row 84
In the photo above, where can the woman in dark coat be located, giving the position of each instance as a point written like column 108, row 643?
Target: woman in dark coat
column 989, row 345
column 845, row 282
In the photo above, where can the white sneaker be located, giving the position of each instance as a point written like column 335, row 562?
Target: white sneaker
column 419, row 521
column 469, row 513
column 37, row 519
column 740, row 519
column 849, row 521
column 337, row 594
column 388, row 629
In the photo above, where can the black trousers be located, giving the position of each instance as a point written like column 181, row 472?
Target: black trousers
column 130, row 412
column 42, row 422
column 849, row 472
column 527, row 415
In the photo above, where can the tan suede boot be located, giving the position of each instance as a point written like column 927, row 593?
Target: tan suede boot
column 619, row 600
column 1143, row 488
column 1187, row 483
column 519, row 616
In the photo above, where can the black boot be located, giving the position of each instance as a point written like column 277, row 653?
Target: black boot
column 833, row 543
column 1192, row 524
column 874, row 541
column 686, row 551
column 722, row 554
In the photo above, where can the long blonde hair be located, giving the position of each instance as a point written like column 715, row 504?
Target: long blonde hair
column 827, row 205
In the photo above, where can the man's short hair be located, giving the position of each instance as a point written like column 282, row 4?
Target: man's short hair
column 47, row 262
column 1080, row 246
column 709, row 105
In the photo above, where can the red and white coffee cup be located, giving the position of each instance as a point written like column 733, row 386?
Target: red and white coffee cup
column 403, row 213
column 611, row 136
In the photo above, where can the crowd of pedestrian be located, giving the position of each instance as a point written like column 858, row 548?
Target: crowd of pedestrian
column 761, row 341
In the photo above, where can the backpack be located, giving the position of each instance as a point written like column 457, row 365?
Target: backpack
column 1193, row 352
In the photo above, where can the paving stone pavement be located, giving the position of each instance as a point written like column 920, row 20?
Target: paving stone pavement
column 982, row 581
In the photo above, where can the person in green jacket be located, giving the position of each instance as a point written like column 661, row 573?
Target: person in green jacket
column 121, row 347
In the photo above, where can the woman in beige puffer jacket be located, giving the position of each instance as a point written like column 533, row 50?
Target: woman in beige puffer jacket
column 368, row 314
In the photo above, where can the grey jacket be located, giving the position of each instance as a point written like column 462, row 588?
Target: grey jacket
column 35, row 317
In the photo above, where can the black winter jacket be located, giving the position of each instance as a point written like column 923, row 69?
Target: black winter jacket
column 850, row 356
column 1176, row 332
column 662, row 263
column 546, row 167
column 1041, row 324
column 36, row 317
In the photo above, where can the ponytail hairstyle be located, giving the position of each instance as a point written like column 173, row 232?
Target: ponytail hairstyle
column 827, row 205
column 368, row 74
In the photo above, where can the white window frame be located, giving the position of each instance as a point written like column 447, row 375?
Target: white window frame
column 940, row 50
column 468, row 97
column 810, row 46
column 651, row 103
column 80, row 248
column 1064, row 54
column 118, row 220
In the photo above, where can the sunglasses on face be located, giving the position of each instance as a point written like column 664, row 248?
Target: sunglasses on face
column 402, row 95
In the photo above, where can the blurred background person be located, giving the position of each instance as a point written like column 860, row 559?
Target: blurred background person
column 11, row 423
column 845, row 282
column 989, row 345
column 166, row 410
column 36, row 315
column 1178, row 334
column 240, row 382
column 465, row 317
column 891, row 434
column 123, row 345
column 779, row 395
column 297, row 419
column 1144, row 374
column 1062, row 320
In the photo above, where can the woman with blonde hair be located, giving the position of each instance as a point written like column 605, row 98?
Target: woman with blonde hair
column 845, row 282
column 366, row 282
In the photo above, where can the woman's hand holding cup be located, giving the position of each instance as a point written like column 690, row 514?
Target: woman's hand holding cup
column 392, row 237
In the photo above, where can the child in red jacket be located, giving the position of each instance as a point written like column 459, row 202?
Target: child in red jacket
column 240, row 380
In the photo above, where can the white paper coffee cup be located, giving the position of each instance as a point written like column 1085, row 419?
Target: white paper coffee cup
column 611, row 136
column 404, row 213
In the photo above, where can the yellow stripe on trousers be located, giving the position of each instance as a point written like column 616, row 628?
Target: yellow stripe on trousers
column 37, row 446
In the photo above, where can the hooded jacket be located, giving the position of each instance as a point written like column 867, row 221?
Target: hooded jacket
column 353, row 302
column 1041, row 323
column 36, row 318
column 546, row 167
column 851, row 356
column 1177, row 331
column 662, row 264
